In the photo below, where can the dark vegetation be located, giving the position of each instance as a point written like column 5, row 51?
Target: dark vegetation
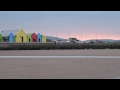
column 52, row 46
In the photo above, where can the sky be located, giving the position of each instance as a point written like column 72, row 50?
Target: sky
column 82, row 25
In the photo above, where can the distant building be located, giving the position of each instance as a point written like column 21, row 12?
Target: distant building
column 59, row 41
column 73, row 40
column 67, row 41
column 48, row 40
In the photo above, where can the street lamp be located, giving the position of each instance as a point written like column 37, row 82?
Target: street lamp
column 81, row 36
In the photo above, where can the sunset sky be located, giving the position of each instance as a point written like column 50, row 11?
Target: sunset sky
column 64, row 24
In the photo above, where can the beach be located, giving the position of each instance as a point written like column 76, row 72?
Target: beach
column 79, row 52
column 60, row 68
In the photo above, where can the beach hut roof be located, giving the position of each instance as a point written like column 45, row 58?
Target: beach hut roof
column 38, row 34
column 29, row 33
column 8, row 32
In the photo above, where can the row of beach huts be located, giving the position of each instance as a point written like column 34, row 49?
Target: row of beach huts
column 20, row 36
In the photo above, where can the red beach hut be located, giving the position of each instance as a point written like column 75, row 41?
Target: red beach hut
column 34, row 37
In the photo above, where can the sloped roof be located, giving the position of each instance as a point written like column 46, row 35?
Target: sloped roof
column 8, row 32
column 29, row 33
column 38, row 34
column 34, row 33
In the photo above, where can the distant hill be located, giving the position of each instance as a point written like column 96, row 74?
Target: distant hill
column 104, row 40
column 54, row 38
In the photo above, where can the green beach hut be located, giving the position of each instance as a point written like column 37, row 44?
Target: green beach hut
column 0, row 37
column 29, row 37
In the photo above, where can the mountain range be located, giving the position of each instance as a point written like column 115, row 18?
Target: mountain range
column 104, row 40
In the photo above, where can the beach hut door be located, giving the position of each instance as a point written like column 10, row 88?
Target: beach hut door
column 29, row 39
column 22, row 39
column 33, row 39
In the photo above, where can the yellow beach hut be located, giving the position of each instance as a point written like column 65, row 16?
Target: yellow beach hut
column 43, row 38
column 21, row 36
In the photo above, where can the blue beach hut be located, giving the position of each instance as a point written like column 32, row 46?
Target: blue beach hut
column 7, row 37
column 39, row 37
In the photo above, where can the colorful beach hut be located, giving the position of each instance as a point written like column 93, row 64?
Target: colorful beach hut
column 34, row 37
column 0, row 37
column 29, row 37
column 43, row 38
column 39, row 37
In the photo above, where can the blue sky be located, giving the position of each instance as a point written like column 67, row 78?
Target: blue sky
column 64, row 22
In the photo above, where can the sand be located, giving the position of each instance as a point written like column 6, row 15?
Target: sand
column 95, row 52
column 60, row 68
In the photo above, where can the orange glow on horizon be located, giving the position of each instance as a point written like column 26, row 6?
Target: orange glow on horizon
column 87, row 36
